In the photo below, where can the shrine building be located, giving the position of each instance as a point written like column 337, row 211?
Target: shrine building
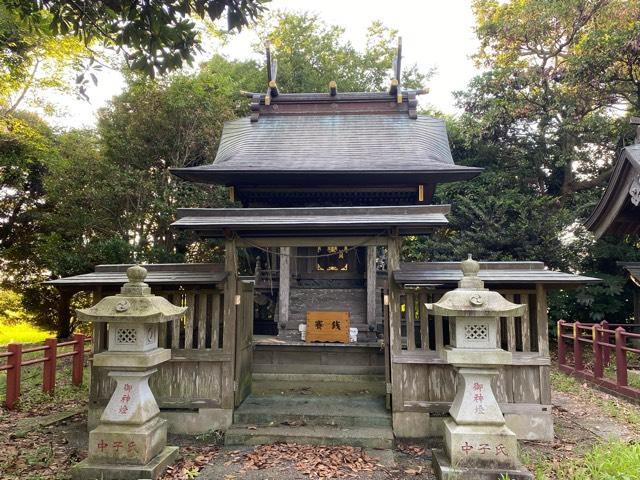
column 618, row 211
column 327, row 186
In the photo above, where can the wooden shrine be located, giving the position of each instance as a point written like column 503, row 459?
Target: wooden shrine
column 328, row 184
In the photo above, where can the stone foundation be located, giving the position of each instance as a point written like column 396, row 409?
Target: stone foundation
column 92, row 471
column 527, row 424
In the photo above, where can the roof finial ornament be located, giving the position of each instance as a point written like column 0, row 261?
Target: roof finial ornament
column 333, row 88
column 272, row 73
column 397, row 73
column 636, row 121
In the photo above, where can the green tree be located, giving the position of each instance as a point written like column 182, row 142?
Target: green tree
column 546, row 120
column 34, row 61
column 311, row 53
column 156, row 36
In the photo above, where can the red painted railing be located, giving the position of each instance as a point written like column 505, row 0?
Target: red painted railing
column 14, row 364
column 602, row 340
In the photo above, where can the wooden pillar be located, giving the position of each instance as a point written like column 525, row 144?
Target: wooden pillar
column 229, row 320
column 393, row 263
column 283, row 291
column 99, row 329
column 395, row 333
column 543, row 320
column 371, row 287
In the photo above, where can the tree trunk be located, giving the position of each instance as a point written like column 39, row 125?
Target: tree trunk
column 64, row 329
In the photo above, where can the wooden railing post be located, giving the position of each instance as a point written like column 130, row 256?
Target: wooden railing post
column 598, row 370
column 562, row 347
column 49, row 365
column 621, row 358
column 78, row 359
column 577, row 347
column 606, row 338
column 14, row 361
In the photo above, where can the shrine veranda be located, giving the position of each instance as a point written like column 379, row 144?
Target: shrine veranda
column 327, row 186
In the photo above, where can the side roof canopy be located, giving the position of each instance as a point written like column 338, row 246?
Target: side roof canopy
column 618, row 212
column 448, row 274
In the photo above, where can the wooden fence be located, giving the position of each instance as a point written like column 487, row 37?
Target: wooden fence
column 15, row 363
column 593, row 345
column 423, row 385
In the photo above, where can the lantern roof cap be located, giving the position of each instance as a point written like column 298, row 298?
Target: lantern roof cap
column 134, row 304
column 471, row 299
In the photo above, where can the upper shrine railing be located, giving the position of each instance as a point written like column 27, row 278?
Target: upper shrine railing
column 202, row 328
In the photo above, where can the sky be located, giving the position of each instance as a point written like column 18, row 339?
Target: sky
column 435, row 33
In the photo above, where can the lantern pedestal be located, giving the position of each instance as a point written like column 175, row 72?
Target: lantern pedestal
column 478, row 444
column 86, row 470
column 130, row 441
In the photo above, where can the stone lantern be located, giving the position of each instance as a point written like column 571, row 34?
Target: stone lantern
column 130, row 440
column 478, row 444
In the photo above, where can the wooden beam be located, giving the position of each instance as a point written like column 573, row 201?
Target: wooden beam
column 283, row 292
column 267, row 242
column 371, row 287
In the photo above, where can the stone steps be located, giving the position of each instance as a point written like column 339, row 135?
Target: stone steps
column 313, row 409
column 341, row 411
column 369, row 437
column 317, row 384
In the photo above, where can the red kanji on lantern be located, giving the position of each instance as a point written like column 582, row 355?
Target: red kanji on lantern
column 480, row 410
column 125, row 398
column 117, row 446
column 478, row 397
column 484, row 448
column 500, row 449
column 102, row 445
column 123, row 409
column 478, row 386
column 466, row 448
column 131, row 447
column 127, row 387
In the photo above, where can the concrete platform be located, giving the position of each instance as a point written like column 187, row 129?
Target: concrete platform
column 445, row 471
column 91, row 471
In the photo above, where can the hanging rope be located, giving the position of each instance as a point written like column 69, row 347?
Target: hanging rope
column 331, row 254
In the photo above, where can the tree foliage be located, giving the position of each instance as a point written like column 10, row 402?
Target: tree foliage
column 156, row 36
column 546, row 119
column 311, row 53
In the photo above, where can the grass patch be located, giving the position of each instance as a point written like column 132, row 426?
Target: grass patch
column 605, row 461
column 21, row 333
column 609, row 405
